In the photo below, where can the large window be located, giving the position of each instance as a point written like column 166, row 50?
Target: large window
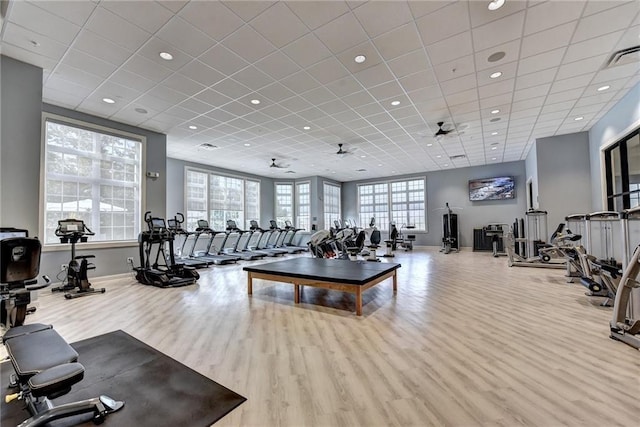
column 401, row 202
column 93, row 174
column 331, row 204
column 284, row 202
column 622, row 168
column 218, row 198
column 303, row 205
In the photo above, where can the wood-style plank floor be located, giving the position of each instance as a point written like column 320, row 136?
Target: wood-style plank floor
column 466, row 341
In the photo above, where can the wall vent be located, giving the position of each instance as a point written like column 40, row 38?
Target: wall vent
column 623, row 57
column 207, row 146
column 457, row 157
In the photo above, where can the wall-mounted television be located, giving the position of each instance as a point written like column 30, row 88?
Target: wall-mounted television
column 498, row 188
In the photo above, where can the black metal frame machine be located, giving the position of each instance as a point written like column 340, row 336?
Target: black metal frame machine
column 72, row 231
column 163, row 271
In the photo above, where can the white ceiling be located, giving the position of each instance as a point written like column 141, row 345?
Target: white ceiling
column 297, row 58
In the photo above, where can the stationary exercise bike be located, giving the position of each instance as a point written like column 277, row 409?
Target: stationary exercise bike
column 74, row 231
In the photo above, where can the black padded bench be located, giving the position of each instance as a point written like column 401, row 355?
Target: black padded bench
column 46, row 367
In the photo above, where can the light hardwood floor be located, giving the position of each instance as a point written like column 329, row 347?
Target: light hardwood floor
column 466, row 341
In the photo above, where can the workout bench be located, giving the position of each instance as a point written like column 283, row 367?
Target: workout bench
column 47, row 367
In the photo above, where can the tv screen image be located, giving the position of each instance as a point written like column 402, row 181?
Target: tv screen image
column 499, row 188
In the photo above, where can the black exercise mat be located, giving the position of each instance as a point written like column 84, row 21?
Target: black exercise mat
column 157, row 390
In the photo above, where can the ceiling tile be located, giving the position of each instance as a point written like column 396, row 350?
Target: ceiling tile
column 498, row 88
column 252, row 78
column 458, row 85
column 148, row 15
column 481, row 15
column 276, row 92
column 605, row 22
column 42, row 22
column 451, row 48
column 399, row 41
column 93, row 44
column 316, row 13
column 103, row 23
column 231, row 88
column 154, row 46
column 367, row 49
column 498, row 32
column 185, row 36
column 511, row 52
column 307, row 50
column 223, row 60
column 326, row 71
column 380, row 17
column 443, row 23
column 568, row 95
column 418, row 80
column 277, row 65
column 547, row 40
column 23, row 38
column 571, row 83
column 211, row 17
column 249, row 44
column 341, row 33
column 182, row 84
column 75, row 11
column 410, row 63
column 584, row 66
column 421, row 8
column 129, row 79
column 147, row 68
column 550, row 14
column 247, row 10
column 201, row 73
column 81, row 60
column 289, row 27
column 541, row 62
column 374, row 76
column 531, row 92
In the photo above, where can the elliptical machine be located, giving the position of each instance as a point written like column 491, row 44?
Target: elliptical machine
column 163, row 272
column 74, row 231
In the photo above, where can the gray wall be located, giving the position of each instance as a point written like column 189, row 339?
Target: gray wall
column 531, row 167
column 563, row 176
column 618, row 122
column 21, row 147
column 20, row 144
column 452, row 186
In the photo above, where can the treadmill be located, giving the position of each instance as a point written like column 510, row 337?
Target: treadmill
column 289, row 242
column 255, row 227
column 242, row 251
column 206, row 254
column 175, row 227
column 279, row 242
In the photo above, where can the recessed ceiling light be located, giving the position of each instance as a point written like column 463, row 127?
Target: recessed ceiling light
column 446, row 164
column 605, row 87
column 141, row 111
column 333, row 171
column 108, row 100
column 393, row 171
column 379, row 164
column 496, row 4
column 306, row 127
column 360, row 59
column 495, row 75
column 255, row 101
column 363, row 156
column 495, row 111
column 438, row 156
column 494, row 133
column 246, row 144
column 494, row 148
column 495, row 57
column 429, row 144
column 578, row 118
column 493, row 158
column 394, row 103
column 166, row 56
column 192, row 127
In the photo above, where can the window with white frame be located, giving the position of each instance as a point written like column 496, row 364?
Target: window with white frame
column 218, row 198
column 402, row 202
column 94, row 174
column 331, row 204
column 303, row 205
column 284, row 202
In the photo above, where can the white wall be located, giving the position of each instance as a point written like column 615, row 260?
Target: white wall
column 531, row 169
column 452, row 186
column 615, row 124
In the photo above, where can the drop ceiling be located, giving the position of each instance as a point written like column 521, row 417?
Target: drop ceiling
column 297, row 59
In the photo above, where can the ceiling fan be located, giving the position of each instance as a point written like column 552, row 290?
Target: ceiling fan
column 341, row 151
column 275, row 165
column 441, row 131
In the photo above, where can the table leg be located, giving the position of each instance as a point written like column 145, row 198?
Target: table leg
column 249, row 283
column 296, row 293
column 395, row 281
column 358, row 302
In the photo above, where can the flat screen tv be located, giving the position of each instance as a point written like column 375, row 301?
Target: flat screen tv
column 499, row 188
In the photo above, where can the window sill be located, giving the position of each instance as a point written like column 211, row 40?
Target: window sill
column 53, row 247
